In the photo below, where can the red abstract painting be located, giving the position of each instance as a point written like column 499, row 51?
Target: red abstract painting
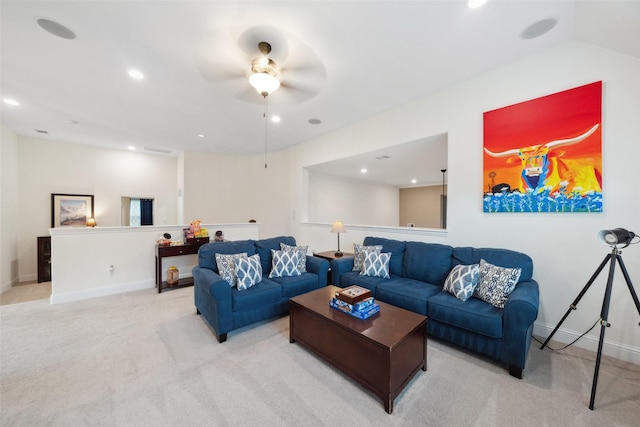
column 545, row 155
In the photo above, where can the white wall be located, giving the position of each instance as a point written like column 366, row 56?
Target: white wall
column 86, row 273
column 564, row 247
column 233, row 188
column 46, row 167
column 8, row 211
column 334, row 198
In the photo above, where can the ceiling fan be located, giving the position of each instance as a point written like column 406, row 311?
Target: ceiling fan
column 230, row 57
column 264, row 75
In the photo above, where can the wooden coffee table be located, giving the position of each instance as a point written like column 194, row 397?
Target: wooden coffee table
column 381, row 353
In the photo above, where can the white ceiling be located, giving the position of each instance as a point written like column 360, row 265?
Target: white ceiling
column 348, row 60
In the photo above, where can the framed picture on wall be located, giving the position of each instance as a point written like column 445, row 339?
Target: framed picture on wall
column 71, row 210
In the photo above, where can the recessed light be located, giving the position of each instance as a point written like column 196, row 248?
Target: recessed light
column 363, row 170
column 11, row 101
column 474, row 4
column 131, row 148
column 201, row 135
column 56, row 29
column 275, row 119
column 315, row 121
column 136, row 74
column 538, row 29
column 73, row 122
column 414, row 181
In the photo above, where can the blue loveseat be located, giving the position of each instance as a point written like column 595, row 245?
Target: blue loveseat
column 227, row 308
column 417, row 273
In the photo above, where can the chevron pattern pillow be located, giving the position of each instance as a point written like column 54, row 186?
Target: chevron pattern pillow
column 360, row 251
column 495, row 283
column 284, row 264
column 249, row 271
column 462, row 281
column 376, row 265
column 227, row 266
column 302, row 259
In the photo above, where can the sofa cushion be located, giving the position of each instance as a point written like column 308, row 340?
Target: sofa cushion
column 409, row 294
column 462, row 281
column 249, row 271
column 473, row 315
column 207, row 252
column 427, row 262
column 501, row 257
column 285, row 263
column 302, row 255
column 267, row 292
column 395, row 247
column 359, row 252
column 227, row 266
column 296, row 285
column 263, row 248
column 376, row 264
column 495, row 283
column 351, row 278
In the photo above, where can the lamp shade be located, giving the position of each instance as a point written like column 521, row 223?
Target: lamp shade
column 91, row 222
column 264, row 83
column 618, row 237
column 338, row 227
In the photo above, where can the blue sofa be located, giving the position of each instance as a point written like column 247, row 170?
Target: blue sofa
column 417, row 273
column 226, row 308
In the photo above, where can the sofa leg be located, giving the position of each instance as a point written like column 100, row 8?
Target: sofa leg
column 515, row 372
column 222, row 338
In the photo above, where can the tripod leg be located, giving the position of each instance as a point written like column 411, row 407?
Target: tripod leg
column 579, row 297
column 629, row 284
column 604, row 314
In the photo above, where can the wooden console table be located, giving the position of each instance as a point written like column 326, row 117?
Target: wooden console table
column 169, row 251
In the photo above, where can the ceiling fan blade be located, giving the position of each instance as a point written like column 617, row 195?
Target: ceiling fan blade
column 217, row 57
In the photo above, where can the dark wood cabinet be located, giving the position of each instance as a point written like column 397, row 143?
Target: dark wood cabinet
column 44, row 259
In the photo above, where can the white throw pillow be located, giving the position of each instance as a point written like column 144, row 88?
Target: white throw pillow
column 462, row 281
column 284, row 264
column 227, row 266
column 496, row 283
column 249, row 271
column 302, row 251
column 360, row 251
column 376, row 265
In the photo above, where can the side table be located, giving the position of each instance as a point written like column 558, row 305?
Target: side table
column 169, row 251
column 330, row 256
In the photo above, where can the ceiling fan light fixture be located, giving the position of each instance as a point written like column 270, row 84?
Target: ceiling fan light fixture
column 264, row 83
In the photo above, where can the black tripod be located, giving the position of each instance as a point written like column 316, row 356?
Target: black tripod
column 612, row 257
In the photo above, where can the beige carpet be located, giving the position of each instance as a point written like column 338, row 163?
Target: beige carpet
column 146, row 359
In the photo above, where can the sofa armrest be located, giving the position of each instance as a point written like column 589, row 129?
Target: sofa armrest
column 320, row 267
column 340, row 266
column 212, row 297
column 520, row 311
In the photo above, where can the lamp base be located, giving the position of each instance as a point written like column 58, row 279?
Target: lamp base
column 338, row 254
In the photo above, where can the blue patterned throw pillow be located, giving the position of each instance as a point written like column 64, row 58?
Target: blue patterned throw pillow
column 302, row 258
column 284, row 264
column 376, row 265
column 227, row 266
column 360, row 251
column 249, row 271
column 496, row 283
column 462, row 281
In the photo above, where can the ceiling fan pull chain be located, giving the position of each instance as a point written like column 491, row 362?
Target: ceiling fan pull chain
column 266, row 122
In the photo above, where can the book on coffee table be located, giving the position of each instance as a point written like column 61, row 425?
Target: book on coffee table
column 353, row 294
column 363, row 313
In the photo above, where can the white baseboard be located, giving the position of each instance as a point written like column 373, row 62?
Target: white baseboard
column 609, row 348
column 100, row 292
